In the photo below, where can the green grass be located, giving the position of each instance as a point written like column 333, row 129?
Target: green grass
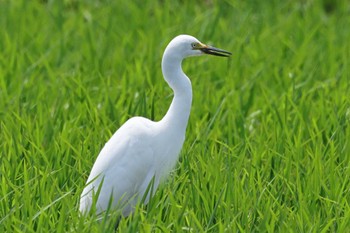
column 267, row 147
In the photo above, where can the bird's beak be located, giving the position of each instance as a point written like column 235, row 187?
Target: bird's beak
column 214, row 51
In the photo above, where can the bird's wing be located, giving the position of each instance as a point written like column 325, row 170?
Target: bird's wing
column 125, row 164
column 127, row 148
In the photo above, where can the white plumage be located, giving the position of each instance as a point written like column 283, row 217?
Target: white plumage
column 141, row 149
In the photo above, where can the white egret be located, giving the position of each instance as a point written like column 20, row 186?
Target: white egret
column 143, row 151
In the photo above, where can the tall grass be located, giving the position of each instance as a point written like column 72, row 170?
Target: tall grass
column 267, row 147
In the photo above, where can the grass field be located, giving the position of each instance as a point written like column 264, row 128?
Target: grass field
column 267, row 147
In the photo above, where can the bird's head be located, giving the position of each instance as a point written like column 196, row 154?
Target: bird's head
column 186, row 46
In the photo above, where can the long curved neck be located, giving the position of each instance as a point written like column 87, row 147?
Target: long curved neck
column 179, row 111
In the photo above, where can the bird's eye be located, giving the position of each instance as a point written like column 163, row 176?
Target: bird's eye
column 194, row 45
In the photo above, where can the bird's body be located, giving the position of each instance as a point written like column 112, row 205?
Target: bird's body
column 142, row 151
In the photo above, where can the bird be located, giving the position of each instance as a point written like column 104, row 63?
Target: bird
column 142, row 152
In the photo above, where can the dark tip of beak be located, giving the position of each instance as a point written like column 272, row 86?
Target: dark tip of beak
column 216, row 52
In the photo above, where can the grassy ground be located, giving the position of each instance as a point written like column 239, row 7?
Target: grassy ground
column 267, row 146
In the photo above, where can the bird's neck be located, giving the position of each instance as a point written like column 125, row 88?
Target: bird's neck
column 179, row 111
